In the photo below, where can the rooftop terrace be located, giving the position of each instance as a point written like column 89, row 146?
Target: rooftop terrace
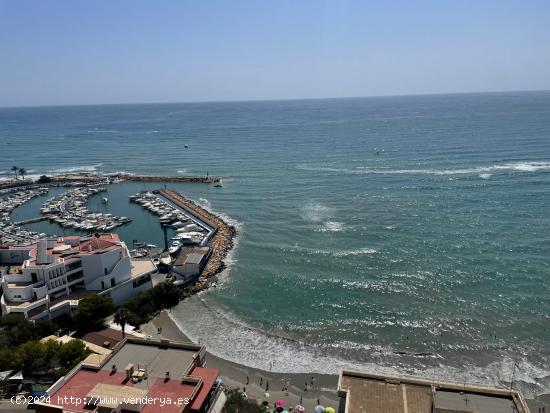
column 376, row 393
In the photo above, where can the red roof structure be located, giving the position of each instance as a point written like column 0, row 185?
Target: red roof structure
column 170, row 376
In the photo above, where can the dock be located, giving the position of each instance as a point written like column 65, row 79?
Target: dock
column 33, row 220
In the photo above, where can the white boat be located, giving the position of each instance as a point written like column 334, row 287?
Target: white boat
column 184, row 240
column 105, row 200
column 175, row 247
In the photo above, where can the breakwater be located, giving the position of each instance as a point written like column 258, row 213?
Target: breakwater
column 221, row 242
column 188, row 179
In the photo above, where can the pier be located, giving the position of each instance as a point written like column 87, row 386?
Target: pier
column 33, row 220
column 221, row 241
column 185, row 179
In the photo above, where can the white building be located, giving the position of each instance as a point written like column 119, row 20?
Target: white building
column 191, row 262
column 50, row 276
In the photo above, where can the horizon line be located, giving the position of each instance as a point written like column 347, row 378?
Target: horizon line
column 274, row 100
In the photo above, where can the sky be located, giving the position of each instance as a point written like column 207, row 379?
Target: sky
column 64, row 52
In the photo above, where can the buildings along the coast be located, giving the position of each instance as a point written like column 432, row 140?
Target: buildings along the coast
column 47, row 278
column 139, row 376
column 361, row 392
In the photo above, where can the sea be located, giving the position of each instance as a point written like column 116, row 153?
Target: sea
column 405, row 235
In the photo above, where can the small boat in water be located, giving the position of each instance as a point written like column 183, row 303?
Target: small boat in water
column 105, row 200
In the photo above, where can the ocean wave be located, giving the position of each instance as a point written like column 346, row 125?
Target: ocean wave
column 205, row 203
column 229, row 259
column 360, row 251
column 80, row 168
column 233, row 339
column 97, row 130
column 332, row 253
column 181, row 171
column 316, row 212
column 506, row 167
column 332, row 226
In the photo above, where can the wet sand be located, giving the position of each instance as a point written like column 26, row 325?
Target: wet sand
column 255, row 381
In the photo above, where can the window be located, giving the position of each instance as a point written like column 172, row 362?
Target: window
column 141, row 281
column 112, row 282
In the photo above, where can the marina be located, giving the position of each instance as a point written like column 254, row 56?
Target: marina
column 70, row 210
column 189, row 230
column 9, row 230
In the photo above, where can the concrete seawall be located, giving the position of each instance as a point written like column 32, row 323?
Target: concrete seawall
column 189, row 179
column 221, row 242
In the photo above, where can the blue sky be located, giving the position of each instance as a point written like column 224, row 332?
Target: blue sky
column 105, row 51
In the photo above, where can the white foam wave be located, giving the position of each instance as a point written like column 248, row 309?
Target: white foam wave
column 329, row 253
column 181, row 171
column 332, row 226
column 316, row 212
column 360, row 251
column 485, row 176
column 97, row 130
column 205, row 203
column 79, row 168
column 510, row 167
column 230, row 259
column 231, row 338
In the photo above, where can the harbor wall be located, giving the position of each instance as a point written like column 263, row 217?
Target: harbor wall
column 220, row 243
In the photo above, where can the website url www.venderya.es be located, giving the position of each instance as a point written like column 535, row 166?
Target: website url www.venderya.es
column 110, row 401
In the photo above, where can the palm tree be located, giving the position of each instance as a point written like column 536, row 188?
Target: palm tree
column 22, row 172
column 121, row 318
column 15, row 169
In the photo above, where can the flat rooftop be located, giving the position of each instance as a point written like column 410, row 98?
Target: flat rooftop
column 383, row 397
column 187, row 379
column 453, row 401
column 140, row 267
column 377, row 393
column 156, row 359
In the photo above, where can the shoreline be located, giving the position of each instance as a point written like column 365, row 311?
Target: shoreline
column 235, row 375
column 246, row 378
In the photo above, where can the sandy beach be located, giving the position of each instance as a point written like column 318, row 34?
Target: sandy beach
column 290, row 387
column 293, row 388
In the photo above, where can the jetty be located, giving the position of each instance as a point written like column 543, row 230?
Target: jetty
column 184, row 179
column 220, row 242
column 33, row 220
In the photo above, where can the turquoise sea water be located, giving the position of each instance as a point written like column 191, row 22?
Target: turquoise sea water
column 403, row 234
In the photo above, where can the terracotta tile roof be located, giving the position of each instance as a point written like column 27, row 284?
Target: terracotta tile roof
column 108, row 335
column 208, row 377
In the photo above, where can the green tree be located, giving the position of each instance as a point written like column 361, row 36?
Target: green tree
column 15, row 169
column 166, row 295
column 33, row 356
column 22, row 172
column 44, row 179
column 15, row 330
column 92, row 310
column 121, row 318
column 237, row 403
column 72, row 353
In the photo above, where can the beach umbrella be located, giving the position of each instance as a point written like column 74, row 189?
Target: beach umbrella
column 319, row 409
column 329, row 410
column 300, row 408
column 281, row 403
